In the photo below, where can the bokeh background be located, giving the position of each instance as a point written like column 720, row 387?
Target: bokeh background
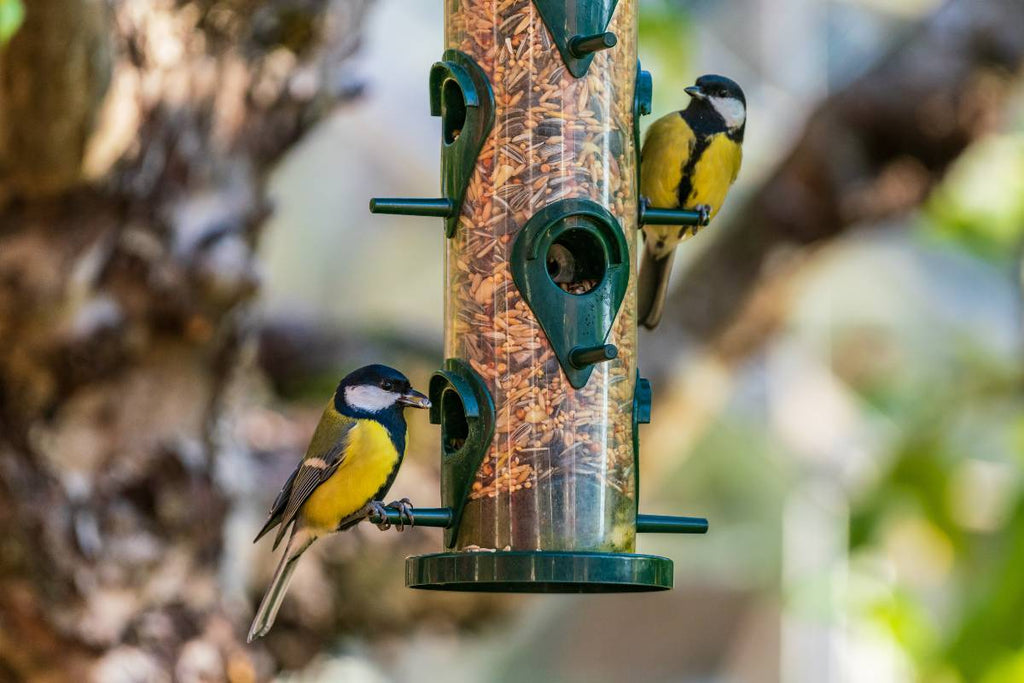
column 187, row 266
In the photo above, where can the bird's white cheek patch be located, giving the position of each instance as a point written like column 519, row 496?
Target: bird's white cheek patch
column 370, row 398
column 731, row 109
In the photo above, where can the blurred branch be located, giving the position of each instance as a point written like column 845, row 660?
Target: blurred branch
column 53, row 76
column 306, row 355
column 872, row 150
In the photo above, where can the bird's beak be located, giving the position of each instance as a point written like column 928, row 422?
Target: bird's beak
column 415, row 399
column 695, row 92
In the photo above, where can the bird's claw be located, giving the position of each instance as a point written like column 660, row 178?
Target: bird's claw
column 704, row 217
column 405, row 516
column 377, row 510
column 378, row 514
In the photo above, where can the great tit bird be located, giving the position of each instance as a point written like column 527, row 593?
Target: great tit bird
column 689, row 160
column 348, row 468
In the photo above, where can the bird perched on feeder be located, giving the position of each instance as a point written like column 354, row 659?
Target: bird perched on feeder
column 348, row 468
column 689, row 160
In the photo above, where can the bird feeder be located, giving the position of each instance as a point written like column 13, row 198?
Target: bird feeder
column 539, row 400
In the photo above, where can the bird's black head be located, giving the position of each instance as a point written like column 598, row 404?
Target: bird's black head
column 374, row 390
column 721, row 99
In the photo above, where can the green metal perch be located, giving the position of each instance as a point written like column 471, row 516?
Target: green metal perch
column 645, row 524
column 649, row 216
column 407, row 206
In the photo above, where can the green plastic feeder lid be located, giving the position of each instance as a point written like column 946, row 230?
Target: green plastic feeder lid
column 539, row 572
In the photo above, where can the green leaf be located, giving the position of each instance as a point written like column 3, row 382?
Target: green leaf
column 980, row 203
column 12, row 13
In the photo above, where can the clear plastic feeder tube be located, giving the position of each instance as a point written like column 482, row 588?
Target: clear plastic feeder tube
column 559, row 474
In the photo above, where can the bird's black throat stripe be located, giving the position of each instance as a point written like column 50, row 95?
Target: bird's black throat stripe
column 705, row 122
column 393, row 420
column 702, row 132
column 386, row 486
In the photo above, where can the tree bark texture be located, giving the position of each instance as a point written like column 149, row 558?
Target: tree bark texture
column 135, row 138
column 871, row 151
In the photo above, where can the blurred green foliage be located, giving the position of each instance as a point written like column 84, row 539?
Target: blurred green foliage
column 665, row 30
column 981, row 204
column 952, row 497
column 935, row 562
column 12, row 13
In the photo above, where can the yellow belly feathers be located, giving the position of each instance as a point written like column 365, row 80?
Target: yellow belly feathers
column 667, row 148
column 714, row 173
column 369, row 460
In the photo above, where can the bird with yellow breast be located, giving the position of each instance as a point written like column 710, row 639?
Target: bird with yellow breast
column 349, row 466
column 689, row 160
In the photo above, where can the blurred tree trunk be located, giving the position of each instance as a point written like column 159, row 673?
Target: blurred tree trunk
column 870, row 151
column 135, row 139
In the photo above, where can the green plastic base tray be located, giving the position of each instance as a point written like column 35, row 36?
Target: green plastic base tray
column 539, row 572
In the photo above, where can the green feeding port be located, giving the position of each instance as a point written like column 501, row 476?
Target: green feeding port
column 462, row 405
column 570, row 262
column 453, row 110
column 579, row 29
column 461, row 95
column 576, row 261
column 454, row 426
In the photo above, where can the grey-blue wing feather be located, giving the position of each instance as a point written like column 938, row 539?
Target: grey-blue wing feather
column 277, row 509
column 309, row 476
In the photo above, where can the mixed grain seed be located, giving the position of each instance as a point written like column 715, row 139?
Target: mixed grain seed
column 563, row 455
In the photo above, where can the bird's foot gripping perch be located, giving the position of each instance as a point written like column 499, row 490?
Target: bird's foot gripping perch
column 404, row 507
column 377, row 511
column 704, row 213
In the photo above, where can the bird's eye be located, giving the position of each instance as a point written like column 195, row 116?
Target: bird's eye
column 387, row 385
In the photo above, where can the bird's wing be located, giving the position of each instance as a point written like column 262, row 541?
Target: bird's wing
column 325, row 454
column 667, row 148
column 277, row 509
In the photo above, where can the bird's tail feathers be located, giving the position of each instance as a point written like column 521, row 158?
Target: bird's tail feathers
column 282, row 531
column 300, row 540
column 271, row 523
column 652, row 287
